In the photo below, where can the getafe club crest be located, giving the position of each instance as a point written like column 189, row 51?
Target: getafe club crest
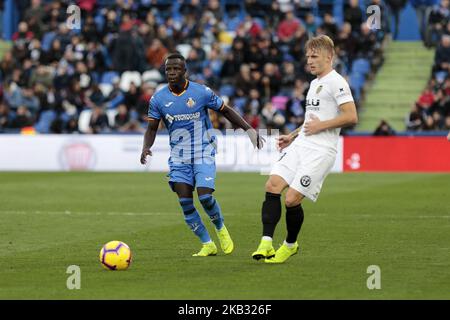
column 319, row 88
column 190, row 102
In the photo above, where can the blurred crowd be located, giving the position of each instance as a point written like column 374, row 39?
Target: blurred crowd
column 431, row 111
column 99, row 78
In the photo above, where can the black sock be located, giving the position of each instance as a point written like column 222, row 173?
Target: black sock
column 271, row 213
column 294, row 221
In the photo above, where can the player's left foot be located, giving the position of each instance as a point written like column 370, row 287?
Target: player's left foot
column 226, row 243
column 208, row 249
column 283, row 253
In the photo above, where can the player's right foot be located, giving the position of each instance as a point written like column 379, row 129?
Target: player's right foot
column 283, row 253
column 226, row 243
column 208, row 249
column 265, row 250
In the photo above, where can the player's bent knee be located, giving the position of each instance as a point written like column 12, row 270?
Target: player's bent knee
column 274, row 185
column 293, row 199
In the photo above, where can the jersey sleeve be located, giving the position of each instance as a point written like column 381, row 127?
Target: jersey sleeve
column 341, row 92
column 153, row 109
column 214, row 101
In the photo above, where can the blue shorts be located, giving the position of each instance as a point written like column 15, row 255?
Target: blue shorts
column 201, row 175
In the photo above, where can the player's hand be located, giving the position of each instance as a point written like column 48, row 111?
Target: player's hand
column 255, row 138
column 312, row 126
column 144, row 154
column 284, row 141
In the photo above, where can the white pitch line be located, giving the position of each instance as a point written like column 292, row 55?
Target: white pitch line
column 67, row 212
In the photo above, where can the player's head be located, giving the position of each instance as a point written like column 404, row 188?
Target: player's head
column 319, row 54
column 175, row 68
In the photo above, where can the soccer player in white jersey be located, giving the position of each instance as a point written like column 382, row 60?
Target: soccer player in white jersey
column 308, row 153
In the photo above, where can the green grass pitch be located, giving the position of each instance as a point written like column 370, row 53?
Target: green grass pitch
column 399, row 222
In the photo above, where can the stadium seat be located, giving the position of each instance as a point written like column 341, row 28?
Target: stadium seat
column 357, row 83
column 106, row 88
column 128, row 77
column 45, row 121
column 184, row 49
column 152, row 76
column 109, row 76
column 83, row 121
column 239, row 104
column 361, row 65
column 111, row 113
column 227, row 90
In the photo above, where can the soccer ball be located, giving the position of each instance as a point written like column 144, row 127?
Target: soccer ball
column 115, row 255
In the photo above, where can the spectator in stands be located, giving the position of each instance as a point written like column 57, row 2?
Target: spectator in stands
column 72, row 126
column 287, row 27
column 253, row 105
column 295, row 112
column 6, row 117
column 421, row 7
column 123, row 121
column 134, row 35
column 99, row 122
column 384, row 129
column 156, row 53
column 395, row 7
column 23, row 118
column 347, row 43
column 442, row 56
column 23, row 35
column 271, row 80
column 437, row 20
column 272, row 118
column 310, row 25
column 7, row 65
column 329, row 26
column 243, row 81
column 447, row 124
column 132, row 96
column 24, row 97
column 426, row 99
column 414, row 121
column 429, row 124
column 353, row 15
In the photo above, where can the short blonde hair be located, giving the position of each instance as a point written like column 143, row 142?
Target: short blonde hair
column 319, row 43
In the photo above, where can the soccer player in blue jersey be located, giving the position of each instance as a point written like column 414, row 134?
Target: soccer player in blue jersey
column 183, row 107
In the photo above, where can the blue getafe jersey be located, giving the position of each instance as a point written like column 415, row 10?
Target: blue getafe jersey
column 186, row 117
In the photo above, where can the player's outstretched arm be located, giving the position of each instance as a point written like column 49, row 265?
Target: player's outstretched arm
column 239, row 122
column 348, row 116
column 149, row 139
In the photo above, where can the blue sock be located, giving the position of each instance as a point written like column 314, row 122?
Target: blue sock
column 193, row 219
column 212, row 208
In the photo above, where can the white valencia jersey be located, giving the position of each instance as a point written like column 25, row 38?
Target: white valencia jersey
column 324, row 97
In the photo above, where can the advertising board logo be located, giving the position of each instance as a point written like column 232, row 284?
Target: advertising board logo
column 77, row 156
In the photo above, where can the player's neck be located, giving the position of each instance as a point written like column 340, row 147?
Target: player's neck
column 324, row 73
column 179, row 87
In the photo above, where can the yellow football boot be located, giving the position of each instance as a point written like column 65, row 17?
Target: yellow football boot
column 283, row 253
column 265, row 250
column 208, row 249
